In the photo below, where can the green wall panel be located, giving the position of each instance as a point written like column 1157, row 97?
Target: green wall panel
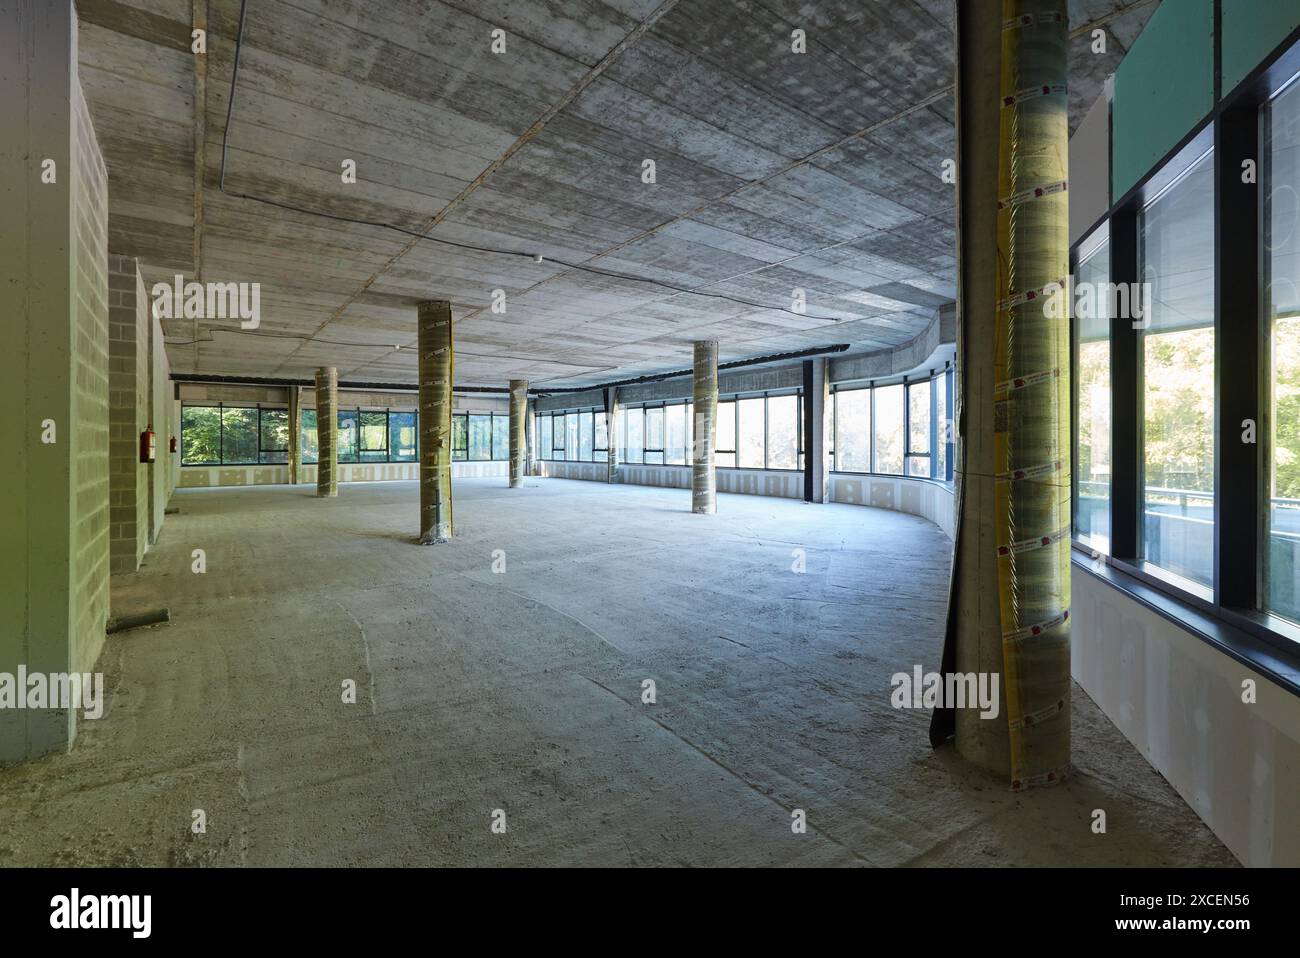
column 1163, row 87
column 1251, row 29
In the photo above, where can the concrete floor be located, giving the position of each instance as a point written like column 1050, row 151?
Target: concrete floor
column 521, row 691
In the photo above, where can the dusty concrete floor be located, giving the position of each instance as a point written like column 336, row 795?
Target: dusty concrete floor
column 522, row 691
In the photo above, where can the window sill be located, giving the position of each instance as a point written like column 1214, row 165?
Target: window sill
column 941, row 483
column 1271, row 653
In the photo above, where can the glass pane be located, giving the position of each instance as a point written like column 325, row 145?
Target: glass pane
column 501, row 437
column 274, row 438
column 635, row 434
column 238, row 435
column 889, row 430
column 480, row 436
column 654, row 436
column 1282, row 259
column 853, row 430
column 943, row 429
column 918, row 419
column 675, row 434
column 918, row 466
column 544, row 437
column 459, row 437
column 749, row 436
column 348, row 420
column 1176, row 256
column 783, row 432
column 374, row 432
column 571, row 440
column 1092, row 382
column 601, row 446
column 200, row 435
column 724, row 451
column 310, row 450
column 584, row 436
column 402, row 435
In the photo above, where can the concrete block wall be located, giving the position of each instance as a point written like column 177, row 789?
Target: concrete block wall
column 90, row 400
column 130, row 381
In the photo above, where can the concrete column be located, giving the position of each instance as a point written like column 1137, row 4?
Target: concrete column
column 295, row 433
column 704, row 476
column 816, row 426
column 327, row 431
column 518, row 432
column 1006, row 246
column 436, row 368
column 612, row 416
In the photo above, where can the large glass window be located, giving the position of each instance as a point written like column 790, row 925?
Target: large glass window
column 1092, row 385
column 373, row 436
column 238, row 435
column 889, row 429
column 459, row 437
column 571, row 442
column 200, row 435
column 918, row 428
column 480, row 436
column 544, row 437
column 749, row 433
column 654, row 436
column 942, row 427
column 1282, row 260
column 585, row 440
column 853, row 430
column 724, row 452
column 635, row 420
column 310, row 448
column 500, row 437
column 273, row 435
column 402, row 437
column 1176, row 256
column 600, row 446
column 675, row 434
column 348, row 429
column 783, row 432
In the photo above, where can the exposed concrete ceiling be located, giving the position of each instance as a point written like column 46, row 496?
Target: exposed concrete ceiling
column 775, row 171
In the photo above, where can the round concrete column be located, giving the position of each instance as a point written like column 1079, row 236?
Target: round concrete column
column 436, row 364
column 518, row 438
column 327, row 431
column 704, row 477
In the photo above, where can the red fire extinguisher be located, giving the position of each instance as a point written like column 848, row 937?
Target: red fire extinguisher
column 172, row 447
column 148, row 445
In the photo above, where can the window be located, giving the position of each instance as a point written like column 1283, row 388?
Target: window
column 1176, row 256
column 273, row 435
column 654, row 436
column 544, row 437
column 200, row 435
column 459, row 437
column 853, row 430
column 675, row 434
column 373, row 436
column 585, row 423
column 480, row 436
column 918, row 428
column 635, row 419
column 888, row 415
column 348, row 428
column 402, row 437
column 1281, row 593
column 942, row 427
column 724, row 454
column 783, row 432
column 500, row 437
column 239, row 435
column 600, row 448
column 572, row 443
column 310, row 446
column 749, row 433
column 1092, row 383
